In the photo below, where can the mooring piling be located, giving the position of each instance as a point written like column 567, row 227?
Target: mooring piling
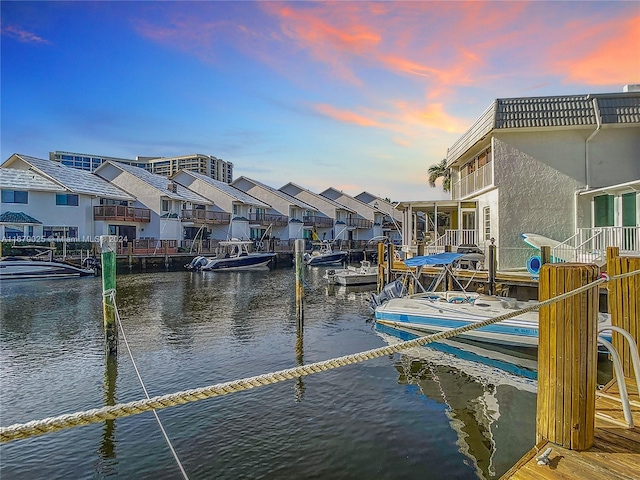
column 108, row 258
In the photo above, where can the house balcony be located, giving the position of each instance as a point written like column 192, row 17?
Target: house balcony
column 206, row 216
column 269, row 219
column 121, row 213
column 314, row 221
column 452, row 238
column 472, row 183
column 359, row 223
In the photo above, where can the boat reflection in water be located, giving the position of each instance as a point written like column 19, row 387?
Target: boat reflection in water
column 488, row 394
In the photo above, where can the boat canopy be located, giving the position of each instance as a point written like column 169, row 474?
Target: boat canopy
column 445, row 258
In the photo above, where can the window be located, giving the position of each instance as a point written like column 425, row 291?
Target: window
column 15, row 196
column 164, row 205
column 487, row 223
column 69, row 199
column 603, row 205
column 13, row 231
column 60, row 232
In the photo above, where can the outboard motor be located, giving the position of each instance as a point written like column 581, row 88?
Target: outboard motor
column 395, row 289
column 197, row 263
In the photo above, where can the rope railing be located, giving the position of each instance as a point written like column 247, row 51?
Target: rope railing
column 53, row 424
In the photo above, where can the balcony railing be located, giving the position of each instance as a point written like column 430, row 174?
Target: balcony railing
column 453, row 238
column 147, row 246
column 481, row 178
column 269, row 219
column 206, row 216
column 121, row 213
column 359, row 223
column 314, row 221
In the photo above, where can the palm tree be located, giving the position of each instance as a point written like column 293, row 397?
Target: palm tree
column 440, row 170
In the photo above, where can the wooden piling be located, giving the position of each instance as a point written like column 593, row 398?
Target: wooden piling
column 624, row 304
column 108, row 261
column 545, row 255
column 492, row 266
column 567, row 357
column 380, row 266
column 299, row 253
column 390, row 255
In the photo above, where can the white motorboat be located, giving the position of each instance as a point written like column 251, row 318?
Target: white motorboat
column 365, row 274
column 433, row 311
column 322, row 253
column 39, row 264
column 232, row 255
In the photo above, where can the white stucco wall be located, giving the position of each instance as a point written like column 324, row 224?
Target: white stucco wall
column 533, row 196
column 42, row 206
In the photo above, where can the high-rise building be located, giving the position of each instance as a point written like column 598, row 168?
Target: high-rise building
column 205, row 164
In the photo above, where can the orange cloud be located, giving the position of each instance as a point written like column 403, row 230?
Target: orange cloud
column 22, row 35
column 614, row 60
column 346, row 116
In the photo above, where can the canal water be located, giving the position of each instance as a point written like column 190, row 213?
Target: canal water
column 425, row 414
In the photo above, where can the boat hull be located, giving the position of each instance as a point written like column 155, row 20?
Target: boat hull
column 26, row 269
column 248, row 262
column 351, row 279
column 326, row 259
column 437, row 316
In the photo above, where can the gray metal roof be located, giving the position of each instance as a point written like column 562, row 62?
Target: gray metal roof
column 550, row 112
column 295, row 201
column 161, row 183
column 230, row 190
column 18, row 217
column 76, row 181
column 18, row 179
column 325, row 199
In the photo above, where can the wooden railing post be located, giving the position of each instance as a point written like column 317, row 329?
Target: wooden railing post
column 624, row 304
column 567, row 356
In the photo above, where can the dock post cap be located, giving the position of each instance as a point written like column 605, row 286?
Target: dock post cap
column 108, row 243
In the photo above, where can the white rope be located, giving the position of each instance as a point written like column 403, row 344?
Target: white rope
column 39, row 427
column 112, row 295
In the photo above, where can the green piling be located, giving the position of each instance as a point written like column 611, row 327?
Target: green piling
column 108, row 260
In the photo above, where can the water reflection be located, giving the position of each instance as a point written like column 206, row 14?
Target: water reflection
column 479, row 396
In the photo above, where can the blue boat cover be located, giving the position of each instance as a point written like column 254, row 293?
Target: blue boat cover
column 445, row 258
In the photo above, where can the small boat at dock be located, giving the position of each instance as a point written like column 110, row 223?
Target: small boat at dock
column 438, row 311
column 365, row 274
column 38, row 262
column 322, row 253
column 232, row 255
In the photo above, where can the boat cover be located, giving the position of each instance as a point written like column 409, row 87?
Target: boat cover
column 445, row 258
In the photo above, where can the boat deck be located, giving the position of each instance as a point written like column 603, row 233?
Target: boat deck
column 615, row 453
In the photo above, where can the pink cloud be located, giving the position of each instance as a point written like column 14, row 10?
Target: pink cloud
column 612, row 56
column 22, row 35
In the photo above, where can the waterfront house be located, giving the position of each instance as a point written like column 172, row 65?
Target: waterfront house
column 43, row 199
column 331, row 221
column 165, row 200
column 565, row 167
column 365, row 223
column 287, row 219
column 391, row 217
column 240, row 206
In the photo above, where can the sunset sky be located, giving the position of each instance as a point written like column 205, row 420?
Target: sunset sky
column 352, row 95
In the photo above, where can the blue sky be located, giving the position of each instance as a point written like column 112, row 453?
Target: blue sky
column 351, row 95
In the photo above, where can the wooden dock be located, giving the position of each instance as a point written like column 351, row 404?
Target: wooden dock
column 614, row 455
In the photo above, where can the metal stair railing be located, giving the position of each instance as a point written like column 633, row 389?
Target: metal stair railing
column 617, row 368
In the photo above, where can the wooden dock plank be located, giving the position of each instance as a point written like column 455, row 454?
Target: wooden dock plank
column 615, row 454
